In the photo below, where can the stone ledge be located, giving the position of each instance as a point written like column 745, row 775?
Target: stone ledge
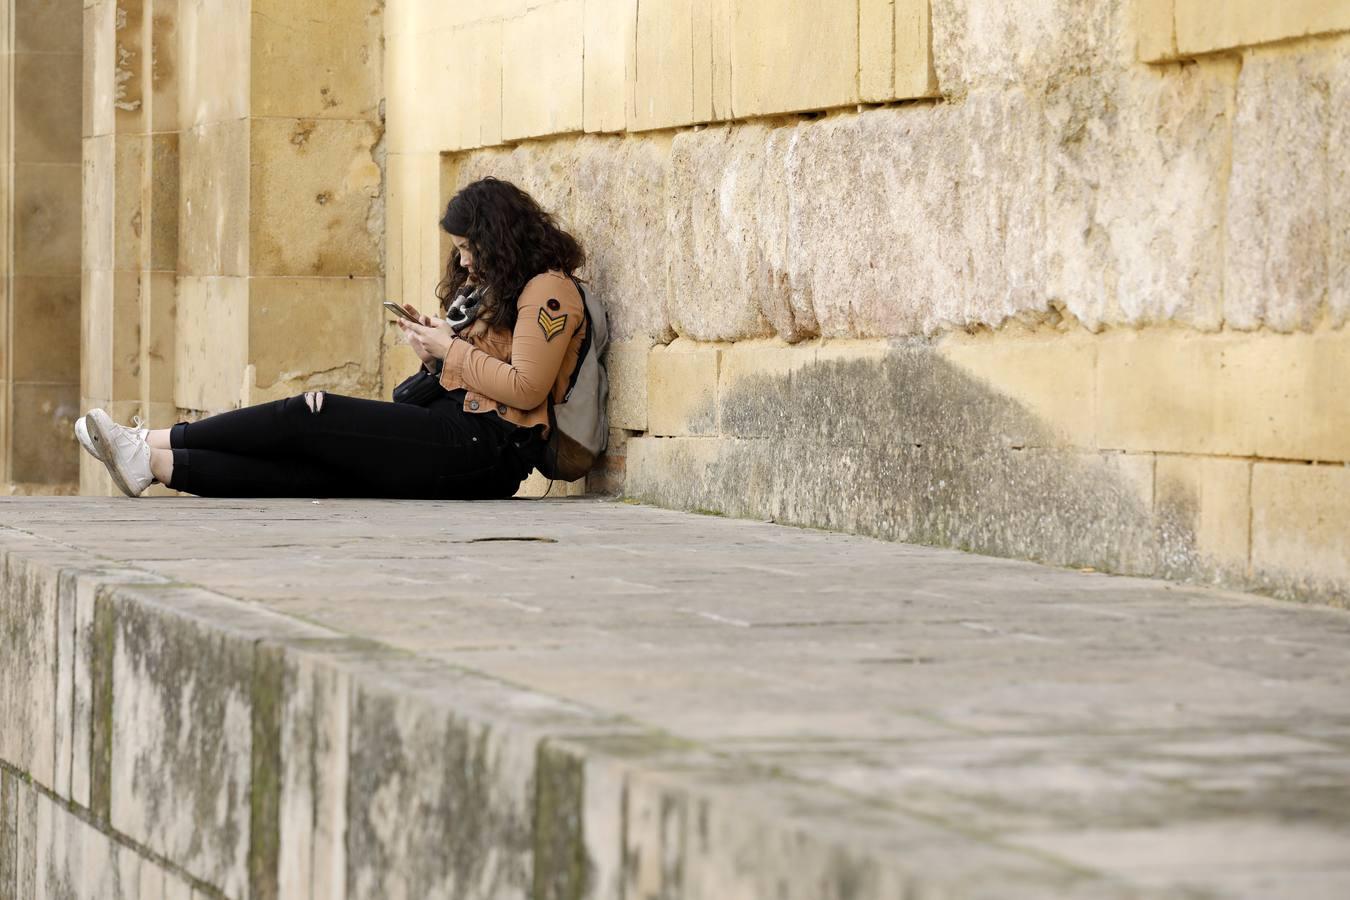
column 253, row 754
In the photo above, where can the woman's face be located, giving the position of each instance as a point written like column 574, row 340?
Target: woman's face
column 465, row 253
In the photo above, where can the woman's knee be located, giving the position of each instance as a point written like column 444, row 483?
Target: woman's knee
column 314, row 400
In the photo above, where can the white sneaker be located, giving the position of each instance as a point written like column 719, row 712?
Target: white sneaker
column 123, row 450
column 82, row 435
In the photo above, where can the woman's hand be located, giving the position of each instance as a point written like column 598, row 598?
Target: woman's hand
column 430, row 341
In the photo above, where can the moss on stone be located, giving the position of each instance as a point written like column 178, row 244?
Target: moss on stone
column 561, row 867
column 265, row 782
column 101, row 669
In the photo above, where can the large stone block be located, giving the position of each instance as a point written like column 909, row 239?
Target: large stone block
column 439, row 806
column 682, row 389
column 608, row 39
column 47, row 27
column 627, row 365
column 47, row 209
column 1204, row 506
column 1277, row 251
column 1291, row 395
column 98, row 198
column 1135, row 208
column 159, row 207
column 811, row 443
column 181, row 743
column 46, row 97
column 313, row 187
column 887, row 242
column 544, row 46
column 44, row 414
column 129, row 171
column 315, row 730
column 164, row 42
column 469, row 62
column 697, row 837
column 30, row 639
column 412, row 214
column 110, row 342
column 95, row 309
column 756, row 383
column 124, row 336
column 79, row 589
column 618, row 214
column 1169, row 392
column 314, row 333
column 1204, row 27
column 99, row 87
column 726, row 208
column 1032, row 43
column 1052, row 377
column 673, row 52
column 77, row 862
column 129, row 94
column 1054, row 506
column 214, row 55
column 1301, row 530
column 211, row 344
column 194, row 746
column 45, row 312
column 214, row 208
column 1273, row 396
column 790, row 55
column 158, row 330
column 313, row 61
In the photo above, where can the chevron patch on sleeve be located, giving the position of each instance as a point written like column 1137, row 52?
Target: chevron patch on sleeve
column 552, row 326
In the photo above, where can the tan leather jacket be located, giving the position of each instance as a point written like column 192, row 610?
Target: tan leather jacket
column 514, row 372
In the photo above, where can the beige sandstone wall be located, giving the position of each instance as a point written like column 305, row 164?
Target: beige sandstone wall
column 233, row 204
column 39, row 243
column 1064, row 280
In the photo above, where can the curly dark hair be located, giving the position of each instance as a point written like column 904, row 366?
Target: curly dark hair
column 513, row 239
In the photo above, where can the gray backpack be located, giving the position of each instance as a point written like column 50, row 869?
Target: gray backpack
column 579, row 423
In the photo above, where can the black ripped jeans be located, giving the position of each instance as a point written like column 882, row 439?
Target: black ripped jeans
column 350, row 448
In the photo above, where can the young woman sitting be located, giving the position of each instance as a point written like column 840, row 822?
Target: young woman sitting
column 477, row 438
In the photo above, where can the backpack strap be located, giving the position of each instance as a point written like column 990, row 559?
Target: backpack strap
column 585, row 341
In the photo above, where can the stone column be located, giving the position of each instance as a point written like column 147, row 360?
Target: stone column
column 39, row 243
column 234, row 207
column 115, row 123
column 280, row 206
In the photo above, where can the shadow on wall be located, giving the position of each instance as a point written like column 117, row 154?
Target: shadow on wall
column 907, row 447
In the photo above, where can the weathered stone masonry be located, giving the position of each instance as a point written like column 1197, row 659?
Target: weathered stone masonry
column 1079, row 295
column 1121, row 225
column 164, row 742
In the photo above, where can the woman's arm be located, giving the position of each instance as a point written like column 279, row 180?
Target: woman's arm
column 549, row 312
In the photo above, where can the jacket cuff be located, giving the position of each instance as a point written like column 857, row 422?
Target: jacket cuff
column 452, row 370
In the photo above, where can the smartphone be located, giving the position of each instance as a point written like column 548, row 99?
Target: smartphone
column 398, row 310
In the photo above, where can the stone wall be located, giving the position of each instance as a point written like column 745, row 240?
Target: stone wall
column 163, row 741
column 1063, row 280
column 39, row 243
column 1117, row 229
column 233, row 205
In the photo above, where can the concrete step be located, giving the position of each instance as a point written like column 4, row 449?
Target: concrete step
column 255, row 699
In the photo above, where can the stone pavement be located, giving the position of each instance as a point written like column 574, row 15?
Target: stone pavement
column 754, row 710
